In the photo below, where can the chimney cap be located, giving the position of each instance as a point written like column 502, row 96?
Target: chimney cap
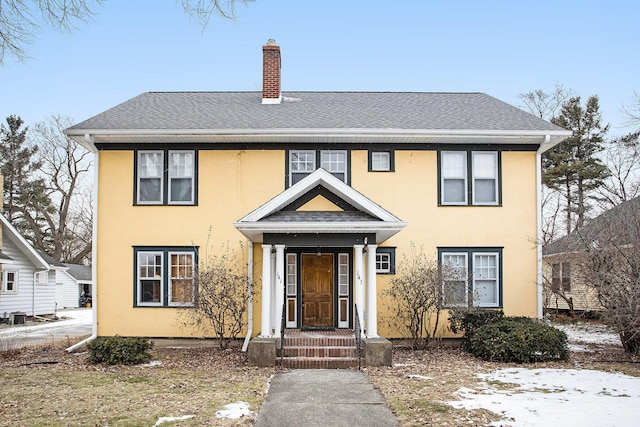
column 271, row 42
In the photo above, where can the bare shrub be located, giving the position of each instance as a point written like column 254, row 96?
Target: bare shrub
column 612, row 268
column 221, row 294
column 415, row 298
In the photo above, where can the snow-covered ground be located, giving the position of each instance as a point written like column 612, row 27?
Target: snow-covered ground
column 569, row 397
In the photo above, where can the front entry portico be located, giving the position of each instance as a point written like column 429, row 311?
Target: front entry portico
column 319, row 265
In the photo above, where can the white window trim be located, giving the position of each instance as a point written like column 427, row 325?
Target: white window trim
column 443, row 177
column 139, row 177
column 170, row 279
column 42, row 278
column 139, row 301
column 4, row 275
column 495, row 178
column 466, row 280
column 383, row 270
column 373, row 161
column 497, row 280
column 191, row 201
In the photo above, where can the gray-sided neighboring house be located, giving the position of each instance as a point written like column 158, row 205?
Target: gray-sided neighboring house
column 74, row 286
column 28, row 278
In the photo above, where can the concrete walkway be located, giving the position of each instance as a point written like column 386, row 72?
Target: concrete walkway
column 324, row 397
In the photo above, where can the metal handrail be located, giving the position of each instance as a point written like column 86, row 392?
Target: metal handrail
column 358, row 332
column 283, row 322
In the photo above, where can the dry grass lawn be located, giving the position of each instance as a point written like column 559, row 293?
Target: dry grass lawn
column 48, row 387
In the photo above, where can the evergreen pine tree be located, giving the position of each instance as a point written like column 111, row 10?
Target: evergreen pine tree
column 572, row 167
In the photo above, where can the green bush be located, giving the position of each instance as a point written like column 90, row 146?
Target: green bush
column 119, row 350
column 517, row 339
column 468, row 320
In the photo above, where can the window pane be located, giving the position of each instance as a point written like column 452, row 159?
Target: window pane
column 380, row 161
column 149, row 190
column 303, row 161
column 454, row 191
column 181, row 190
column 150, row 290
column 182, row 291
column 485, row 191
column 454, row 164
column 180, row 164
column 486, row 292
column 485, row 165
column 150, row 164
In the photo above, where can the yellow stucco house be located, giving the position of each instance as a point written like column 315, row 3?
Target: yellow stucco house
column 327, row 189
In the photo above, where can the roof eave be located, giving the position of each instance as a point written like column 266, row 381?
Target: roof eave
column 89, row 137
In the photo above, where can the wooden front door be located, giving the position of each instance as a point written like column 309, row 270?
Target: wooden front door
column 317, row 290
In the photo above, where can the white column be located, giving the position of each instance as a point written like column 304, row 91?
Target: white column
column 372, row 294
column 265, row 328
column 279, row 288
column 359, row 283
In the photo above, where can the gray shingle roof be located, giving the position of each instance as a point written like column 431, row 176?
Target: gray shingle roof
column 79, row 272
column 318, row 216
column 618, row 225
column 315, row 110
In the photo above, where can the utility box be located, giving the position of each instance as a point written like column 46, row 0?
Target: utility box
column 17, row 318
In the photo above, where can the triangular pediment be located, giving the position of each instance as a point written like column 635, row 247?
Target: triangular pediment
column 319, row 203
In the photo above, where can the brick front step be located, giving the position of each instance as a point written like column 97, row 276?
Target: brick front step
column 350, row 352
column 319, row 349
column 320, row 362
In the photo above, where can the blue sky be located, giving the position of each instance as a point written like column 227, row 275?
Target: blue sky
column 502, row 48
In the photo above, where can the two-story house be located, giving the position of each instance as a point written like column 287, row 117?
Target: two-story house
column 329, row 189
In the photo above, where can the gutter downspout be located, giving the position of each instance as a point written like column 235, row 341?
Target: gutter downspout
column 94, row 257
column 547, row 138
column 250, row 297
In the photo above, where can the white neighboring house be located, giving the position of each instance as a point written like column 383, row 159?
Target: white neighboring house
column 73, row 286
column 28, row 282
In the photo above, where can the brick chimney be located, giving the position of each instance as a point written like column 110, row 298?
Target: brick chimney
column 271, row 73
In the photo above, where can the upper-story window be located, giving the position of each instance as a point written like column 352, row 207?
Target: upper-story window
column 381, row 161
column 166, row 177
column 469, row 177
column 304, row 162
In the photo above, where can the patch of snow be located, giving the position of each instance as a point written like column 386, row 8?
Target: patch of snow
column 401, row 365
column 152, row 364
column 418, row 377
column 234, row 411
column 163, row 420
column 589, row 333
column 541, row 397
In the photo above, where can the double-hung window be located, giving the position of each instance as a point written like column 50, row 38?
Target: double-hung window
column 164, row 276
column 166, row 177
column 303, row 162
column 469, row 177
column 9, row 280
column 471, row 276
